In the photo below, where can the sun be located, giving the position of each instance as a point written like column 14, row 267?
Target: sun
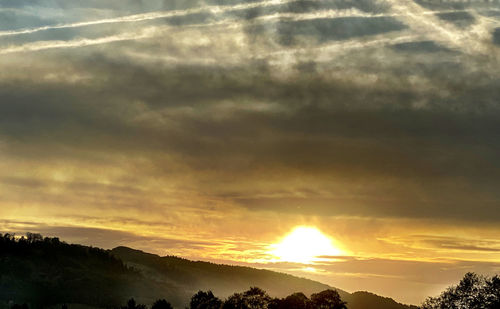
column 304, row 245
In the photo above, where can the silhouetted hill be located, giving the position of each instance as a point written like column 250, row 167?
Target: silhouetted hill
column 369, row 300
column 224, row 280
column 45, row 272
column 48, row 271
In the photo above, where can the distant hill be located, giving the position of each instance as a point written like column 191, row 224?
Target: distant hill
column 223, row 280
column 44, row 272
column 362, row 300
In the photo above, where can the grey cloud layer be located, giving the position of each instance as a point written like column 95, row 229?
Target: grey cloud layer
column 405, row 129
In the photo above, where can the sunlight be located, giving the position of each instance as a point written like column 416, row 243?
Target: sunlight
column 305, row 245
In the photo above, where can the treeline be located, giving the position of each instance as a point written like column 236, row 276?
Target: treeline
column 51, row 247
column 44, row 271
column 254, row 298
column 473, row 292
column 40, row 272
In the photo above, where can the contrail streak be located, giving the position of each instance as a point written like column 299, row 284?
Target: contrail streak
column 350, row 13
column 399, row 10
column 149, row 16
column 144, row 33
column 286, row 57
column 224, row 9
column 419, row 19
column 43, row 45
column 324, row 52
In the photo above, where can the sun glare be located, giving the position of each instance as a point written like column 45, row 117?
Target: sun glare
column 305, row 245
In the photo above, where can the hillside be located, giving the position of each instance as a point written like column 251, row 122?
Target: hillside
column 223, row 280
column 45, row 272
column 362, row 300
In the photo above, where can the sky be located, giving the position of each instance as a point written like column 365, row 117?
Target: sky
column 210, row 129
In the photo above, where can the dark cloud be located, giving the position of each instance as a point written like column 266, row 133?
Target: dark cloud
column 130, row 6
column 301, row 6
column 460, row 19
column 434, row 160
column 104, row 238
column 306, row 6
column 456, row 243
column 10, row 20
column 496, row 36
column 420, row 47
column 440, row 5
column 336, row 28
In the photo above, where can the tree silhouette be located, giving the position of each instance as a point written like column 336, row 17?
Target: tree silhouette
column 33, row 237
column 131, row 304
column 327, row 299
column 254, row 298
column 472, row 292
column 205, row 300
column 161, row 304
column 275, row 303
column 493, row 292
column 234, row 301
column 296, row 301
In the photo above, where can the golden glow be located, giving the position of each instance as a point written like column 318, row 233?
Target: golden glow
column 305, row 245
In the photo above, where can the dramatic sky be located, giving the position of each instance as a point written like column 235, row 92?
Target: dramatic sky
column 209, row 129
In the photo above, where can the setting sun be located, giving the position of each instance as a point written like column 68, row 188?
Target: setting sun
column 304, row 245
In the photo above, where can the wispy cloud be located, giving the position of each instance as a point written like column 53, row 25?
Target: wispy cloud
column 215, row 9
column 43, row 45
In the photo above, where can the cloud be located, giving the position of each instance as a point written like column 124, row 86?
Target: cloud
column 43, row 45
column 216, row 127
column 410, row 136
column 336, row 29
column 460, row 19
column 496, row 36
column 106, row 238
column 450, row 243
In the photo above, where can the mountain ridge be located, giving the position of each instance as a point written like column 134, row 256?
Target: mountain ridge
column 45, row 272
column 356, row 300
